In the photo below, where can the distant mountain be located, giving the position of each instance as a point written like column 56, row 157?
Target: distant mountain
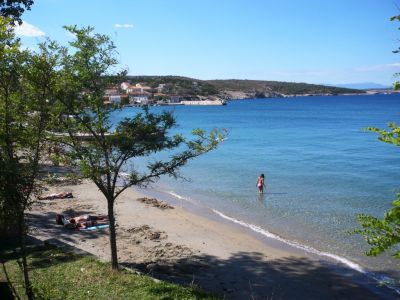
column 363, row 86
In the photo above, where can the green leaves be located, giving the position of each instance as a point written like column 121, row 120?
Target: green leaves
column 395, row 18
column 14, row 9
column 27, row 81
column 391, row 136
column 84, row 71
column 81, row 122
column 383, row 234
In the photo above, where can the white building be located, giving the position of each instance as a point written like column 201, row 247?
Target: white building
column 141, row 98
column 160, row 88
column 112, row 96
column 125, row 85
column 115, row 99
column 137, row 88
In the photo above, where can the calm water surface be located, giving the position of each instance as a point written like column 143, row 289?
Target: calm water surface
column 321, row 167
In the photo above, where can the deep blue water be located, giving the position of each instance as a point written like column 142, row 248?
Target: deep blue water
column 321, row 166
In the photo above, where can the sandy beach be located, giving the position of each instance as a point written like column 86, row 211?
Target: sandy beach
column 174, row 244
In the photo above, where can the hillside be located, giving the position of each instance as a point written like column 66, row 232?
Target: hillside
column 262, row 88
column 236, row 89
column 176, row 85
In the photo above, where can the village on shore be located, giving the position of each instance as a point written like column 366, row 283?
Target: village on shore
column 128, row 94
column 187, row 91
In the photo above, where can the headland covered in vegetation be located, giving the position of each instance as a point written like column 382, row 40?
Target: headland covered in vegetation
column 178, row 90
column 236, row 88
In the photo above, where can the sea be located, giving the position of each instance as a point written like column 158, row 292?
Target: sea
column 322, row 168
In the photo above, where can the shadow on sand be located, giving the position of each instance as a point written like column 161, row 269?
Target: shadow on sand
column 250, row 276
column 46, row 221
column 245, row 275
column 9, row 250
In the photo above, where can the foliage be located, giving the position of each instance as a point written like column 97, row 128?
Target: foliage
column 391, row 136
column 14, row 9
column 107, row 151
column 177, row 85
column 26, row 81
column 396, row 84
column 287, row 88
column 383, row 234
column 185, row 86
column 60, row 275
column 11, row 64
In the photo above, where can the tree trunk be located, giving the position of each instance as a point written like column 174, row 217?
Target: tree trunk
column 113, row 235
column 22, row 236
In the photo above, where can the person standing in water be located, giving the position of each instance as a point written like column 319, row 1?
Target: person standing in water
column 260, row 183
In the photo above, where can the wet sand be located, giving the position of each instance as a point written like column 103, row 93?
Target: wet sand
column 175, row 244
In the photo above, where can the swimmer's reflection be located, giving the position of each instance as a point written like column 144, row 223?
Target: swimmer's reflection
column 262, row 198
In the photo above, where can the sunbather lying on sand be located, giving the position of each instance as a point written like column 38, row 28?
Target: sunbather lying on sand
column 61, row 195
column 82, row 221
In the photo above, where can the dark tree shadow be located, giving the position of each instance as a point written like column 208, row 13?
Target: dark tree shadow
column 249, row 275
column 46, row 223
column 244, row 275
column 9, row 250
column 6, row 291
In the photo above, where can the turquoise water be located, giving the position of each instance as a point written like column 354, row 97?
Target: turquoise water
column 321, row 168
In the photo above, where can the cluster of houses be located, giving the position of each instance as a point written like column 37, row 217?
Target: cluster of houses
column 138, row 94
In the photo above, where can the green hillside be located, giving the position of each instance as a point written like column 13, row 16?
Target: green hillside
column 185, row 86
column 177, row 85
column 287, row 88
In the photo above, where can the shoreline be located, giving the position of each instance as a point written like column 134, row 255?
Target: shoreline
column 359, row 273
column 189, row 247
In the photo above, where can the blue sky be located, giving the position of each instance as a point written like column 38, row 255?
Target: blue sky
column 314, row 41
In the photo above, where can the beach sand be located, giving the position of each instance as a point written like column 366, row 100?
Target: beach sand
column 177, row 245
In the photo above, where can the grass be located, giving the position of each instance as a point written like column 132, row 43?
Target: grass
column 59, row 275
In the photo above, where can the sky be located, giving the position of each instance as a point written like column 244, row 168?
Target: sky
column 313, row 41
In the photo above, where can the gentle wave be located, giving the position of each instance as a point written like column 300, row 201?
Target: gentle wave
column 277, row 237
column 182, row 198
column 292, row 243
column 176, row 195
column 380, row 278
column 387, row 281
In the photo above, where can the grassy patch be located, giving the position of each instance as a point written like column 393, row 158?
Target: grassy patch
column 59, row 275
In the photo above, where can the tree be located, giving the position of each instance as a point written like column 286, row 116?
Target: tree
column 106, row 151
column 13, row 9
column 396, row 84
column 26, row 81
column 383, row 234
